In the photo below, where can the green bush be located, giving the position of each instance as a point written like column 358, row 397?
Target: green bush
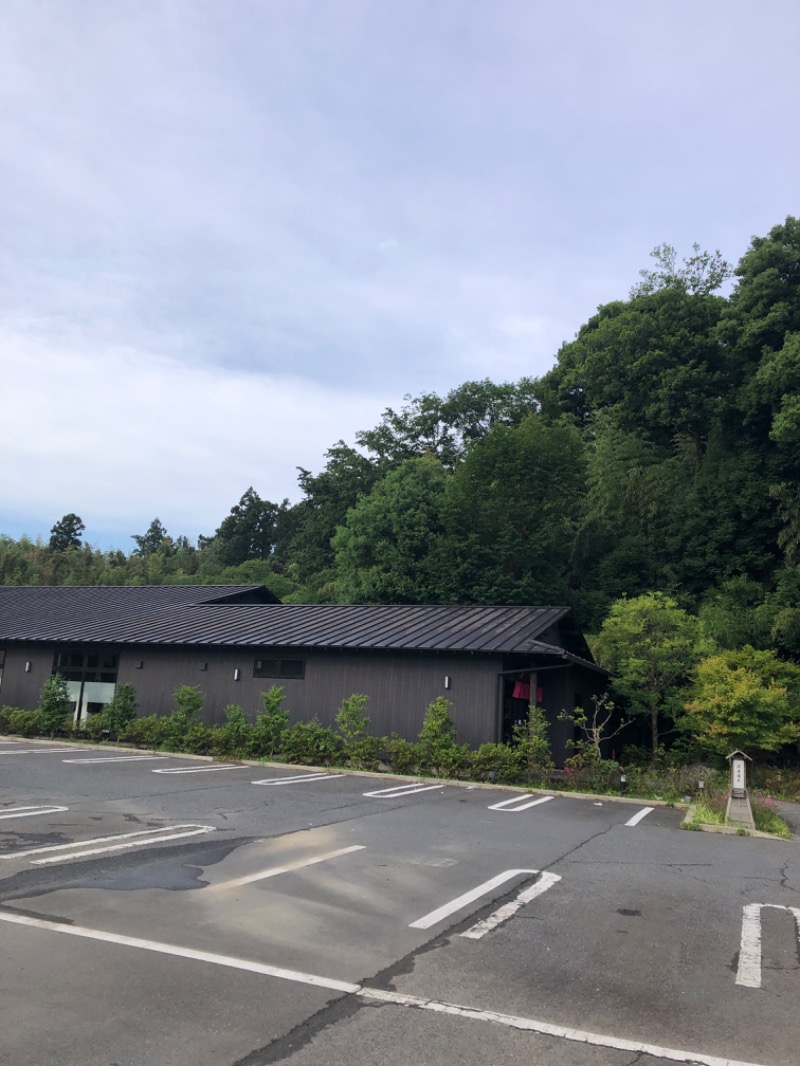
column 402, row 756
column 147, row 732
column 237, row 731
column 533, row 748
column 437, row 737
column 270, row 724
column 201, row 739
column 26, row 723
column 499, row 759
column 353, row 723
column 5, row 718
column 365, row 754
column 94, row 728
column 188, row 704
column 54, row 703
column 312, row 744
column 122, row 709
column 453, row 762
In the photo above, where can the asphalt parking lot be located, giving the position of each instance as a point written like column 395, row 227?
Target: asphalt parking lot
column 162, row 910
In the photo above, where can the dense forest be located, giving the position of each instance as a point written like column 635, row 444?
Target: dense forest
column 660, row 454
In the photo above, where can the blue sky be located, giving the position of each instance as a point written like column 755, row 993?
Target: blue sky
column 233, row 233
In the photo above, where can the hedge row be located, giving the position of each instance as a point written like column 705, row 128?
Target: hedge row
column 271, row 736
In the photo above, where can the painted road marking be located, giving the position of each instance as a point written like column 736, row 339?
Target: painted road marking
column 402, row 790
column 142, row 836
column 35, row 751
column 643, row 813
column 502, row 914
column 264, row 874
column 530, row 1025
column 506, row 805
column 116, row 758
column 29, row 812
column 469, row 897
column 295, row 780
column 748, row 973
column 197, row 769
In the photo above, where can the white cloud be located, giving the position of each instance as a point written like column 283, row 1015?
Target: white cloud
column 121, row 435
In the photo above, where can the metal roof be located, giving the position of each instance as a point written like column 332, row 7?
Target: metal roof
column 193, row 615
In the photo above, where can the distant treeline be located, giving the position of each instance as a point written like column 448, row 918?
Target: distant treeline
column 662, row 452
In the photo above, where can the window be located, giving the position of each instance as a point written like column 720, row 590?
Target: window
column 91, row 678
column 275, row 667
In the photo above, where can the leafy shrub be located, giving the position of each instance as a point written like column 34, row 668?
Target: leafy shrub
column 402, row 756
column 766, row 818
column 237, row 731
column 147, row 732
column 437, row 736
column 499, row 759
column 352, row 722
column 201, row 739
column 26, row 723
column 365, row 754
column 533, row 747
column 5, row 718
column 122, row 709
column 453, row 762
column 313, row 744
column 94, row 728
column 188, row 704
column 54, row 703
column 270, row 724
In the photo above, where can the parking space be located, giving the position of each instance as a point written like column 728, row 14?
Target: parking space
column 592, row 916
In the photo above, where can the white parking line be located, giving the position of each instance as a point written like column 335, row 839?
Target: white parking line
column 117, row 758
column 146, row 836
column 469, row 897
column 402, row 790
column 197, row 769
column 643, row 813
column 502, row 914
column 29, row 812
column 748, row 973
column 507, row 805
column 529, row 1025
column 264, row 874
column 295, row 780
column 35, row 751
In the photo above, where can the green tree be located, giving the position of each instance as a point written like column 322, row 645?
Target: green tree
column 650, row 645
column 153, row 540
column 54, row 703
column 437, row 738
column 512, row 509
column 391, row 548
column 271, row 723
column 249, row 531
column 532, row 742
column 447, row 426
column 122, row 708
column 66, row 533
column 746, row 699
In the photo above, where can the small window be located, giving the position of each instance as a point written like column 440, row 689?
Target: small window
column 289, row 668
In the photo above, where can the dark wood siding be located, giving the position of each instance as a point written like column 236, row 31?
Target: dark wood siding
column 399, row 686
column 21, row 689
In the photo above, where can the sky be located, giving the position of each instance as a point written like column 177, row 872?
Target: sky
column 232, row 234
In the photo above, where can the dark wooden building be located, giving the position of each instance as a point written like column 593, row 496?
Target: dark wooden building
column 235, row 642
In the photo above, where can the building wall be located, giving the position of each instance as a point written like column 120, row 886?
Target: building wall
column 19, row 688
column 400, row 685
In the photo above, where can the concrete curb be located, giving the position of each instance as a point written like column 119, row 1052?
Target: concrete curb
column 377, row 775
column 729, row 830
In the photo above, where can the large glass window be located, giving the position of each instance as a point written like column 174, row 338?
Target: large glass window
column 280, row 667
column 91, row 676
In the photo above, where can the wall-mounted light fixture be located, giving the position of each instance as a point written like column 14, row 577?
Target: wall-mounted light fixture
column 447, row 681
column 138, row 664
column 236, row 674
column 27, row 667
column 203, row 666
